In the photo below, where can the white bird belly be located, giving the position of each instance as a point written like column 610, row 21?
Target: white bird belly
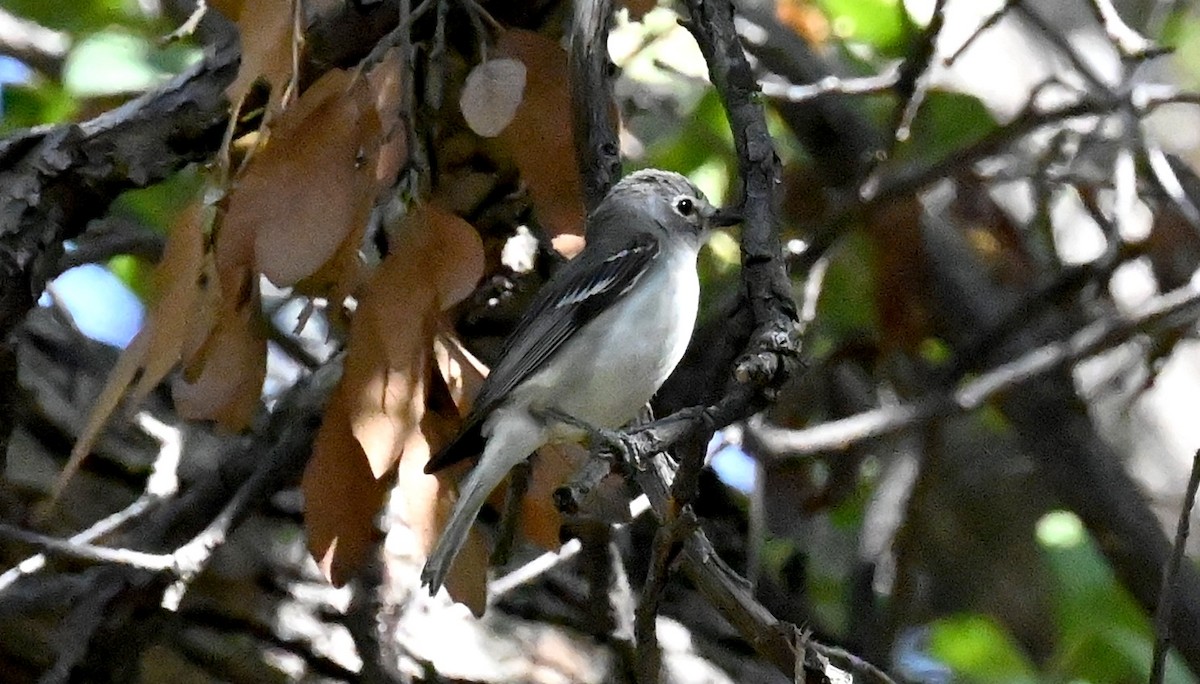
column 625, row 354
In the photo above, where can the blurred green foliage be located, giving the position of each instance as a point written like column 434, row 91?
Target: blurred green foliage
column 880, row 24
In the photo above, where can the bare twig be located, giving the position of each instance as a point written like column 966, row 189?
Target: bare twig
column 65, row 548
column 1059, row 42
column 280, row 450
column 1166, row 179
column 395, row 38
column 1166, row 595
column 120, row 236
column 991, row 20
column 886, row 185
column 1132, row 45
column 716, row 582
column 849, row 662
column 916, row 74
column 41, row 48
column 570, row 497
column 832, row 86
column 188, row 27
column 162, row 483
column 1178, row 308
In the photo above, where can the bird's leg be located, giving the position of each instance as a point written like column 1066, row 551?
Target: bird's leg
column 601, row 442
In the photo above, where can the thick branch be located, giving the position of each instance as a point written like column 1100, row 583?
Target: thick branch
column 597, row 147
column 53, row 181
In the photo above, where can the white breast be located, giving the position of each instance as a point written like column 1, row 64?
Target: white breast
column 613, row 371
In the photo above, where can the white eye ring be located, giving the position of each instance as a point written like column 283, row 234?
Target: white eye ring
column 685, row 206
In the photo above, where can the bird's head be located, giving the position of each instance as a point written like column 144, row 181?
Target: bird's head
column 659, row 201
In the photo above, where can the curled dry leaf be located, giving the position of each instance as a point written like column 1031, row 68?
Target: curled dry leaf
column 268, row 41
column 313, row 183
column 155, row 350
column 345, row 271
column 491, row 95
column 382, row 418
column 540, row 140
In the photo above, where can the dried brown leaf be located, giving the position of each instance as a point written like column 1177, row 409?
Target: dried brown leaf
column 539, row 139
column 341, row 497
column 382, row 418
column 268, row 37
column 313, row 183
column 491, row 95
column 227, row 384
column 156, row 348
column 551, row 466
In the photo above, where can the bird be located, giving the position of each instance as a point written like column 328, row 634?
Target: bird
column 595, row 344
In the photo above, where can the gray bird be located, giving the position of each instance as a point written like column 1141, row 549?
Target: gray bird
column 596, row 343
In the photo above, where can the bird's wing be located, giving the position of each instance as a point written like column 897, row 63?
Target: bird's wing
column 585, row 287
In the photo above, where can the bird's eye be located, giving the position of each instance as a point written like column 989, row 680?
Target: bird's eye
column 685, row 206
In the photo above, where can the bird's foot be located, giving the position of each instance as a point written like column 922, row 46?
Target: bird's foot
column 601, row 442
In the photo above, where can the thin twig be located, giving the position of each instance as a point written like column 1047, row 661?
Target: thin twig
column 991, row 20
column 65, row 548
column 916, row 74
column 1132, row 45
column 832, row 85
column 851, row 663
column 42, row 48
column 1166, row 595
column 1059, row 42
column 162, row 483
column 1177, row 308
column 188, row 27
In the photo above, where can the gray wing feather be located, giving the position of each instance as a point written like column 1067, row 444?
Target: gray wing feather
column 576, row 295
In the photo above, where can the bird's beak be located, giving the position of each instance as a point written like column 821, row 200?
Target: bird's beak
column 726, row 216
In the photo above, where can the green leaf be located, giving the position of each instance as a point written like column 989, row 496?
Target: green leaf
column 75, row 16
column 979, row 649
column 157, row 205
column 1104, row 634
column 137, row 274
column 109, row 63
column 705, row 136
column 882, row 24
column 946, row 123
column 33, row 105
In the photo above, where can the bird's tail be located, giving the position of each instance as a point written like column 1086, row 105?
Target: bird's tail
column 473, row 494
column 511, row 443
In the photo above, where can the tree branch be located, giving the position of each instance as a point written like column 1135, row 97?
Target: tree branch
column 597, row 148
column 1180, row 308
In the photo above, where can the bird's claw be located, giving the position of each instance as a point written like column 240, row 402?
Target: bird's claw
column 602, row 442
